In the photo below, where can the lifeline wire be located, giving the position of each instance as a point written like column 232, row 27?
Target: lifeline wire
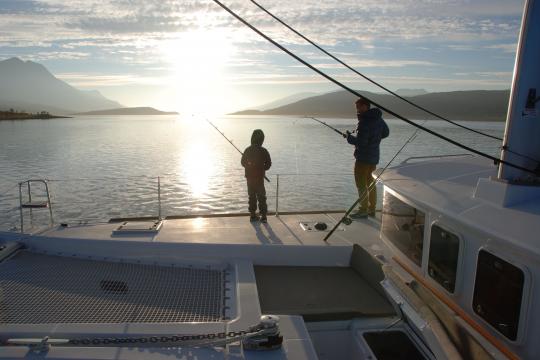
column 354, row 92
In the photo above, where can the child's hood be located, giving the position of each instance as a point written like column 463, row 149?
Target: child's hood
column 257, row 138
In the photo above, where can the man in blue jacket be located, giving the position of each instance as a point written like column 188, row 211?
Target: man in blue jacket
column 371, row 130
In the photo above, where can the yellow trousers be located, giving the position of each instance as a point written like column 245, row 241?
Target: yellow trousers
column 363, row 179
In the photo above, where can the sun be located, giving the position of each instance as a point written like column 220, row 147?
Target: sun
column 198, row 61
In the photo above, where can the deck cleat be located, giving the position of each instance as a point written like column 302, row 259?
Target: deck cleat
column 267, row 336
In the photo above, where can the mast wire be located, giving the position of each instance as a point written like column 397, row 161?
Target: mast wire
column 385, row 88
column 368, row 78
column 356, row 93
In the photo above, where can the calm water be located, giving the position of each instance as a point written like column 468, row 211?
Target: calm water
column 103, row 167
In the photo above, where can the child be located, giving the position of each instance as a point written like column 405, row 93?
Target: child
column 256, row 160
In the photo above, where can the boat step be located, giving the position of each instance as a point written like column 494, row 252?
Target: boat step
column 35, row 205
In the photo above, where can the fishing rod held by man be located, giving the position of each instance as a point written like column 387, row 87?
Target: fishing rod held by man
column 344, row 134
column 325, row 124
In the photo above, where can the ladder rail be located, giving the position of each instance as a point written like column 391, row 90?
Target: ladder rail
column 29, row 204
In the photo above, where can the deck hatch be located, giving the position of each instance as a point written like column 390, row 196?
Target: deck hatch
column 48, row 289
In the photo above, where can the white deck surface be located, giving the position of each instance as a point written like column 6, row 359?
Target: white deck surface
column 231, row 241
column 281, row 241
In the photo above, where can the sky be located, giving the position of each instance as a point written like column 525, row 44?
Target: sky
column 193, row 57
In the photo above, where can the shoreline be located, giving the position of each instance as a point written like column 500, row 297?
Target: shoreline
column 33, row 117
column 353, row 117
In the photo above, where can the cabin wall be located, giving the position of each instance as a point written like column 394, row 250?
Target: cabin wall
column 472, row 241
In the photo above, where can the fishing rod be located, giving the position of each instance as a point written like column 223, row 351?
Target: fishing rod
column 230, row 142
column 384, row 108
column 325, row 124
column 344, row 134
column 373, row 184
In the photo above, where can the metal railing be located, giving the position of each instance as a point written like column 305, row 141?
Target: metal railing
column 169, row 194
column 433, row 157
column 34, row 204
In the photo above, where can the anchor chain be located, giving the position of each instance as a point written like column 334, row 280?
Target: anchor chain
column 263, row 336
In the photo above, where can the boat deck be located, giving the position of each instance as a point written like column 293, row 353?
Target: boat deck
column 282, row 267
column 281, row 241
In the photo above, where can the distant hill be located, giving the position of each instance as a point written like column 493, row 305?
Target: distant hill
column 480, row 105
column 26, row 85
column 29, row 107
column 284, row 101
column 410, row 92
column 128, row 111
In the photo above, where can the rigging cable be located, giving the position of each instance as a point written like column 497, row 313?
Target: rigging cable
column 354, row 92
column 368, row 78
column 230, row 142
column 385, row 88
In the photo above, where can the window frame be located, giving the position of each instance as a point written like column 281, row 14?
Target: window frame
column 525, row 295
column 425, row 244
column 460, row 259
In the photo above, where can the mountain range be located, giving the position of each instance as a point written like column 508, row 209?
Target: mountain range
column 29, row 86
column 284, row 101
column 480, row 105
column 129, row 111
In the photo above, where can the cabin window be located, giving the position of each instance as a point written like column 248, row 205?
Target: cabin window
column 403, row 225
column 443, row 257
column 498, row 291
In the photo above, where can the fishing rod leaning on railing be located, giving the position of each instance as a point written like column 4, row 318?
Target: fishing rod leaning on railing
column 230, row 142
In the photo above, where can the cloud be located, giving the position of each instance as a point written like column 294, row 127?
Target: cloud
column 329, row 23
column 507, row 48
column 108, row 43
column 446, row 82
column 374, row 64
column 462, row 47
column 56, row 55
column 84, row 80
column 506, row 75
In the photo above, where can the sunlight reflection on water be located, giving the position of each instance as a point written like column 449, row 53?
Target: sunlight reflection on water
column 103, row 167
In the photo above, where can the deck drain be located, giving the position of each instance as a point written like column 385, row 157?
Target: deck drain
column 113, row 286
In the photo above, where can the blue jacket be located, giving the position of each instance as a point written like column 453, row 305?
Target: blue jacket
column 371, row 130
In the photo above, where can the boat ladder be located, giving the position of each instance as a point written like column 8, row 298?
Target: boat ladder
column 34, row 204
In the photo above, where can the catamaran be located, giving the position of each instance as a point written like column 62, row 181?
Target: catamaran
column 447, row 271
